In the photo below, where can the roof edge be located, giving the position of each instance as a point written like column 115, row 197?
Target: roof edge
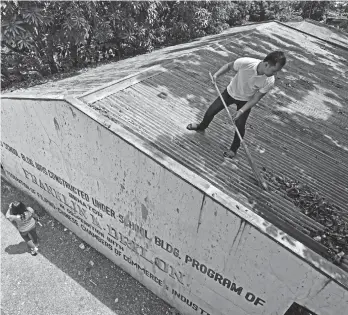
column 295, row 246
column 117, row 85
column 309, row 34
column 47, row 97
column 206, row 40
column 202, row 41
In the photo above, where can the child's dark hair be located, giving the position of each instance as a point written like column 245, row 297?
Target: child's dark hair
column 18, row 208
column 275, row 57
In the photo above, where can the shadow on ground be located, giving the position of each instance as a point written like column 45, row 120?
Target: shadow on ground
column 104, row 279
column 16, row 249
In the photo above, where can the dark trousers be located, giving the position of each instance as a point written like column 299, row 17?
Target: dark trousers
column 218, row 106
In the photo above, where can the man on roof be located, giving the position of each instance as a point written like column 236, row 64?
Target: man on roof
column 253, row 79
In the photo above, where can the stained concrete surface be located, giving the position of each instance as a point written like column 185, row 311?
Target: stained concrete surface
column 298, row 130
column 61, row 279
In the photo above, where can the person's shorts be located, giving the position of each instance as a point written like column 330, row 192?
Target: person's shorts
column 26, row 235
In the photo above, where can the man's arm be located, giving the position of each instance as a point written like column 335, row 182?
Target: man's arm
column 224, row 69
column 249, row 104
column 258, row 95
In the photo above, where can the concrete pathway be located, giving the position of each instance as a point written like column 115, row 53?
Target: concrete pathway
column 63, row 278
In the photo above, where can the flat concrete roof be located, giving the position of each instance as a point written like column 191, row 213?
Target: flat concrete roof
column 299, row 130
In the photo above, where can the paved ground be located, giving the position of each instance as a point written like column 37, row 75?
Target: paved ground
column 61, row 279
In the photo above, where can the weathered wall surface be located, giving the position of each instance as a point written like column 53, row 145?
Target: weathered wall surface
column 175, row 239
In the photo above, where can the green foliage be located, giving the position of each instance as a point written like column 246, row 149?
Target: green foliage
column 48, row 37
column 259, row 11
column 315, row 10
column 339, row 8
column 344, row 26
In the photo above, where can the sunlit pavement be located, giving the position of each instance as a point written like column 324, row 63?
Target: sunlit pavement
column 63, row 278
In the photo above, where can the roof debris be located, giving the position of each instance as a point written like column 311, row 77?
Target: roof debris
column 335, row 229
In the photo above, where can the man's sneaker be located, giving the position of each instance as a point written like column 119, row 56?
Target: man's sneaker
column 230, row 154
column 194, row 127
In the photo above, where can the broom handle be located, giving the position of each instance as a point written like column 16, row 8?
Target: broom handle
column 253, row 167
column 228, row 112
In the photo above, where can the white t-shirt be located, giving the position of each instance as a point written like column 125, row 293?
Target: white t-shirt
column 247, row 82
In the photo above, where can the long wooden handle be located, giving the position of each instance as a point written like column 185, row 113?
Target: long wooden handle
column 252, row 164
column 228, row 112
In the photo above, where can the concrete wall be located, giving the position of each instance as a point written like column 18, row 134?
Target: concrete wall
column 197, row 249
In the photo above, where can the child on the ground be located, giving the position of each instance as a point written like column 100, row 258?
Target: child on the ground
column 26, row 224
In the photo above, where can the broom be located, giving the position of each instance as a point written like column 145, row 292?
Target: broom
column 258, row 177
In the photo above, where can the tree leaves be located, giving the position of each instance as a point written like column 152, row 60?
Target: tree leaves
column 103, row 31
column 76, row 26
column 57, row 31
column 25, row 41
column 314, row 9
column 33, row 16
column 12, row 29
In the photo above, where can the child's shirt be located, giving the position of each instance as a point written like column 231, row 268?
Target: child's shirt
column 23, row 225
